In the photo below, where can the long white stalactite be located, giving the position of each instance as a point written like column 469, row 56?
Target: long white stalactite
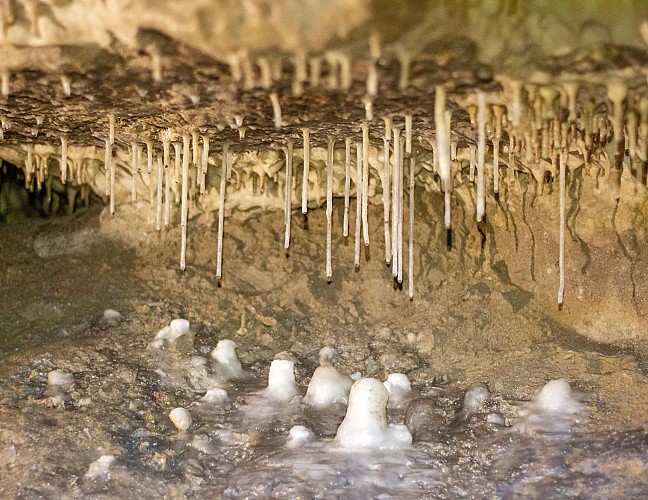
column 306, row 141
column 358, row 223
column 183, row 201
column 365, row 183
column 386, row 188
column 481, row 155
column 347, row 185
column 410, row 262
column 221, row 211
column 288, row 193
column 443, row 150
column 561, row 258
column 330, row 142
column 395, row 214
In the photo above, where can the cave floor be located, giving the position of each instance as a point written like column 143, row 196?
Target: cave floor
column 58, row 276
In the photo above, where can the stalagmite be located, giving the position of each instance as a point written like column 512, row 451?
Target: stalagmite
column 481, row 154
column 63, row 159
column 395, row 208
column 410, row 262
column 443, row 148
column 386, row 183
column 365, row 183
column 183, row 200
column 288, row 193
column 347, row 185
column 276, row 110
column 306, row 139
column 221, row 211
column 561, row 287
column 330, row 142
column 358, row 224
column 158, row 212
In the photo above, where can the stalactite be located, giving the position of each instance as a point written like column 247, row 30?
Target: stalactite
column 481, row 154
column 443, row 148
column 330, row 142
column 347, row 185
column 158, row 211
column 395, row 198
column 183, row 200
column 221, row 210
column 306, row 141
column 63, row 159
column 288, row 193
column 358, row 222
column 386, row 188
column 365, row 183
column 561, row 287
column 410, row 262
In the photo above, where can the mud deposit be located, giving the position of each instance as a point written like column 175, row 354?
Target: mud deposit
column 469, row 322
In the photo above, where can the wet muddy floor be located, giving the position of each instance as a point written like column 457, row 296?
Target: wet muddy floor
column 57, row 277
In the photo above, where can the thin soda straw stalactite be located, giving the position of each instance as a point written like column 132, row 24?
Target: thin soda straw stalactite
column 107, row 160
column 365, row 183
column 167, row 192
column 112, row 186
column 394, row 205
column 481, row 154
column 306, row 141
column 134, row 166
column 358, row 223
column 410, row 262
column 401, row 181
column 276, row 110
column 347, row 185
column 177, row 158
column 330, row 142
column 63, row 159
column 443, row 150
column 158, row 212
column 204, row 163
column 288, row 193
column 111, row 129
column 221, row 210
column 561, row 258
column 386, row 188
column 183, row 201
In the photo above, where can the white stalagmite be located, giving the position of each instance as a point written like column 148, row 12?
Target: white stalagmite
column 183, row 200
column 221, row 211
column 276, row 110
column 288, row 193
column 561, row 287
column 386, row 183
column 410, row 263
column 365, row 183
column 330, row 142
column 395, row 214
column 443, row 149
column 358, row 222
column 481, row 154
column 111, row 128
column 306, row 139
column 63, row 159
column 158, row 211
column 134, row 161
column 107, row 161
column 347, row 185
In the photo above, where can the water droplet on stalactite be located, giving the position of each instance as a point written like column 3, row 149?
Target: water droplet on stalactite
column 561, row 258
column 276, row 110
column 158, row 211
column 63, row 160
column 395, row 215
column 358, row 221
column 66, row 83
column 306, row 154
column 482, row 111
column 442, row 128
column 347, row 185
column 386, row 188
column 288, row 193
column 221, row 210
column 365, row 183
column 330, row 142
column 183, row 199
column 410, row 273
